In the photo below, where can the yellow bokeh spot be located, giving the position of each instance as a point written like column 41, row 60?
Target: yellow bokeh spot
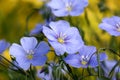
column 60, row 40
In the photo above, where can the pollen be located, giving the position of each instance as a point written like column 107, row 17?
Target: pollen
column 60, row 40
column 84, row 62
column 30, row 56
column 68, row 7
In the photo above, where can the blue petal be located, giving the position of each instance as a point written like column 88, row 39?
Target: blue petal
column 73, row 46
column 59, row 48
column 16, row 50
column 78, row 7
column 3, row 45
column 76, row 12
column 59, row 26
column 38, row 60
column 110, row 29
column 28, row 43
column 60, row 12
column 36, row 30
column 73, row 33
column 93, row 61
column 42, row 48
column 116, row 19
column 73, row 60
column 102, row 56
column 51, row 35
column 56, row 4
column 23, row 62
column 87, row 50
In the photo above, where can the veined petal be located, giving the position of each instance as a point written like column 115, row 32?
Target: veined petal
column 73, row 46
column 28, row 43
column 59, row 26
column 72, row 32
column 79, row 3
column 42, row 48
column 107, row 27
column 23, row 62
column 61, row 12
column 56, row 4
column 109, row 21
column 16, row 50
column 87, row 50
column 110, row 29
column 93, row 61
column 59, row 48
column 73, row 60
column 76, row 12
column 51, row 35
column 38, row 60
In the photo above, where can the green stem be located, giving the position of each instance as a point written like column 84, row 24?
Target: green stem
column 31, row 73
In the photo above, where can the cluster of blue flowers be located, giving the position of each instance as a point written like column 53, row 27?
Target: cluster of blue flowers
column 63, row 38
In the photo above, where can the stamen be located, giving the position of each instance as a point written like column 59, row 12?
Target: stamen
column 68, row 7
column 84, row 60
column 30, row 54
column 118, row 26
column 60, row 40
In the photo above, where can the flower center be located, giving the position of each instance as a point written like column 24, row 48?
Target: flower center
column 69, row 7
column 30, row 54
column 118, row 26
column 84, row 60
column 60, row 40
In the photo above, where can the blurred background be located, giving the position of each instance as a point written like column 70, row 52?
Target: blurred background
column 14, row 19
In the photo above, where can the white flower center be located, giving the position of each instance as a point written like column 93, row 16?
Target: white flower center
column 118, row 26
column 30, row 54
column 61, row 38
column 84, row 60
column 69, row 6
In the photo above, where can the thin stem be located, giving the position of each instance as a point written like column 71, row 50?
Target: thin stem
column 98, row 59
column 31, row 73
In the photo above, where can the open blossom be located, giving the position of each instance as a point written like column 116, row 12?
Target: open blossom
column 111, row 25
column 86, row 57
column 67, row 7
column 29, row 52
column 3, row 45
column 63, row 38
column 108, row 66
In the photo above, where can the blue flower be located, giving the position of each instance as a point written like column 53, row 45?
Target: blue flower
column 111, row 25
column 63, row 38
column 29, row 52
column 67, row 7
column 3, row 46
column 45, row 73
column 36, row 30
column 85, row 58
column 108, row 66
